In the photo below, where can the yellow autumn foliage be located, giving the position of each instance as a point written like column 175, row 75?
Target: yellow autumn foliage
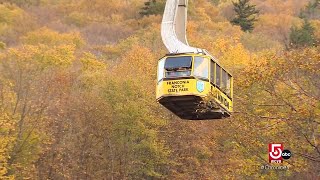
column 9, row 15
column 31, row 57
column 77, row 93
column 139, row 65
column 52, row 38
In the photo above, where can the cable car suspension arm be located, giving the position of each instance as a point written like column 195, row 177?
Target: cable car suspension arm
column 173, row 28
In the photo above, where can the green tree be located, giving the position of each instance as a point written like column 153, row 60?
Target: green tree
column 152, row 7
column 23, row 2
column 245, row 15
column 311, row 10
column 304, row 36
column 215, row 2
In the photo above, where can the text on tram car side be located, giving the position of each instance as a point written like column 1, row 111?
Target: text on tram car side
column 178, row 86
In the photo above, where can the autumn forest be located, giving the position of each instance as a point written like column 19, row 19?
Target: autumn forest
column 77, row 91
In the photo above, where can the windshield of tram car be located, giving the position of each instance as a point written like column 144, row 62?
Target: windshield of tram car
column 178, row 66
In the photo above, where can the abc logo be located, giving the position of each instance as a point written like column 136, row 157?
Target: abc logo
column 286, row 154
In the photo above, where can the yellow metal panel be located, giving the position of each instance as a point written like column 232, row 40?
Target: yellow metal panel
column 222, row 99
column 181, row 87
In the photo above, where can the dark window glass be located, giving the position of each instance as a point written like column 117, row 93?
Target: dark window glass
column 224, row 80
column 212, row 71
column 218, row 75
column 229, row 85
column 178, row 66
column 180, row 73
column 178, row 62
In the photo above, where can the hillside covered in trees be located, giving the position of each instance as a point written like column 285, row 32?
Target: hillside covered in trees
column 77, row 91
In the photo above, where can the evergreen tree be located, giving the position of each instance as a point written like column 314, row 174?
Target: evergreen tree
column 311, row 10
column 215, row 2
column 304, row 36
column 23, row 2
column 153, row 7
column 245, row 15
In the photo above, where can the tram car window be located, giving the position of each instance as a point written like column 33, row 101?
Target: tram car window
column 201, row 67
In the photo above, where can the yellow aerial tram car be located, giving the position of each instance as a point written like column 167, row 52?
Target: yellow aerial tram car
column 194, row 86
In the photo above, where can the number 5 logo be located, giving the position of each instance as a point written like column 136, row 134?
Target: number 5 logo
column 275, row 152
